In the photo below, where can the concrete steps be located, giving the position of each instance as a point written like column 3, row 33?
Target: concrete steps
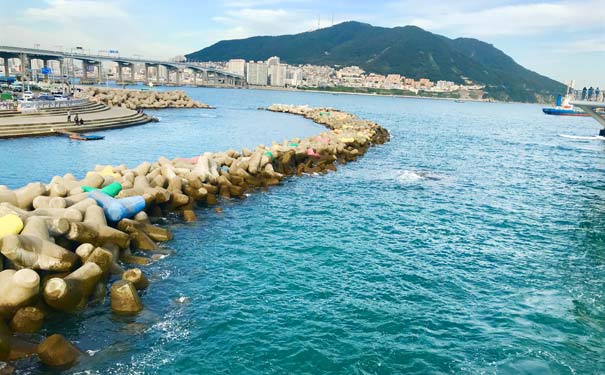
column 27, row 130
column 90, row 107
column 5, row 113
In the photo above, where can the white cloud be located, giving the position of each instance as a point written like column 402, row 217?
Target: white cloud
column 247, row 22
column 513, row 20
column 64, row 11
column 95, row 25
column 258, row 3
column 593, row 45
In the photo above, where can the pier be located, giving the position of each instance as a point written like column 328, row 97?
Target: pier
column 590, row 107
column 92, row 68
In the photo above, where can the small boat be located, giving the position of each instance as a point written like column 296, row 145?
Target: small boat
column 86, row 137
column 558, row 111
column 79, row 136
column 563, row 108
column 562, row 111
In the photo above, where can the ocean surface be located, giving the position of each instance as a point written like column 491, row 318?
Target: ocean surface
column 472, row 243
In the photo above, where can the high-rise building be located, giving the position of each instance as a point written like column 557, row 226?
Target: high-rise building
column 277, row 75
column 274, row 60
column 237, row 66
column 294, row 76
column 257, row 73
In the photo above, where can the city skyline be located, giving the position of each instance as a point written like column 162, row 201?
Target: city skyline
column 560, row 39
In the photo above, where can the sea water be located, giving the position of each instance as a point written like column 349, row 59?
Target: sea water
column 473, row 242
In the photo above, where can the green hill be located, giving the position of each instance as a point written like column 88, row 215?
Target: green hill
column 409, row 51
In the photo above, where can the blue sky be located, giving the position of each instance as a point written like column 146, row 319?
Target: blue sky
column 562, row 39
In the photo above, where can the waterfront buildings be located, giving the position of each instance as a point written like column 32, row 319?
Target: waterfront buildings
column 276, row 73
column 274, row 60
column 237, row 66
column 257, row 73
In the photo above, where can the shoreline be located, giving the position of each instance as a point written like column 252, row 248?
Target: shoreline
column 66, row 247
column 289, row 89
column 273, row 88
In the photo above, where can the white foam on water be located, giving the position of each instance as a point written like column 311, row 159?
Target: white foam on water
column 407, row 176
column 593, row 138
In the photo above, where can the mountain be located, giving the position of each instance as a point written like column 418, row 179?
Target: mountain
column 409, row 51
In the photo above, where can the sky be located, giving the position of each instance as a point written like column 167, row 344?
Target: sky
column 564, row 40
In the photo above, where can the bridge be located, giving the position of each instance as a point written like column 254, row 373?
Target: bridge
column 91, row 63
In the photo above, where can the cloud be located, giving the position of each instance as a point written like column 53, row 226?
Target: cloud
column 65, row 11
column 583, row 46
column 517, row 20
column 247, row 22
column 259, row 3
column 94, row 25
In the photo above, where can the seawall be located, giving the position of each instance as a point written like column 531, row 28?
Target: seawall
column 64, row 247
column 140, row 99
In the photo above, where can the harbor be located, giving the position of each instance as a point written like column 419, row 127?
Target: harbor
column 293, row 187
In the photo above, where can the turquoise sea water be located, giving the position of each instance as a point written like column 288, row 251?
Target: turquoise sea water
column 473, row 242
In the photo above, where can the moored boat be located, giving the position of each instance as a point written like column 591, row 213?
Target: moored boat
column 563, row 108
column 86, row 137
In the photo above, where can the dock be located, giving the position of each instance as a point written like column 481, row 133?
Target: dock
column 590, row 106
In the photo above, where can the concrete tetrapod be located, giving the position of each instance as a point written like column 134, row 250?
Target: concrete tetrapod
column 33, row 252
column 24, row 196
column 10, row 224
column 17, row 289
column 118, row 209
column 5, row 348
column 72, row 292
column 137, row 278
column 27, row 320
column 56, row 351
column 124, row 298
column 95, row 230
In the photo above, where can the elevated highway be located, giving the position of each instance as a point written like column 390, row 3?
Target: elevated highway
column 93, row 62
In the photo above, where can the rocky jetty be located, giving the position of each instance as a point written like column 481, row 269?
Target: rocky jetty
column 143, row 99
column 71, row 241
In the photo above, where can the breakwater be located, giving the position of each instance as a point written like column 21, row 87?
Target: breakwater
column 65, row 246
column 140, row 99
